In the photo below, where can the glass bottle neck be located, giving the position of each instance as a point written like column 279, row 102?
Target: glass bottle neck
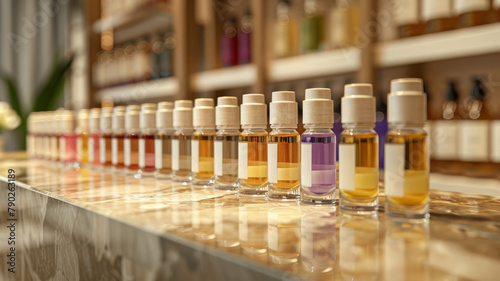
column 314, row 130
column 358, row 125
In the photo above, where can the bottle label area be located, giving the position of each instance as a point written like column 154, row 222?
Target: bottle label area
column 142, row 153
column 158, row 154
column 243, row 160
column 306, row 164
column 218, row 158
column 126, row 148
column 444, row 139
column 114, row 151
column 272, row 162
column 347, row 167
column 195, row 156
column 102, row 150
column 473, row 140
column 394, row 170
column 175, row 155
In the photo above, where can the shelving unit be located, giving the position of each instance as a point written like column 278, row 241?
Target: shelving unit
column 154, row 89
column 225, row 78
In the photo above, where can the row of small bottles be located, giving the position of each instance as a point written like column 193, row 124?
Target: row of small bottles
column 180, row 142
column 143, row 60
column 466, row 139
column 416, row 17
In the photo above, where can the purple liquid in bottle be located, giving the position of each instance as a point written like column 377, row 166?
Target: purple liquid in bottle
column 323, row 154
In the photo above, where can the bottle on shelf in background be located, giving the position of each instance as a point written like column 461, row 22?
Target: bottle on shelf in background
column 202, row 143
column 406, row 158
column 227, row 119
column 229, row 43
column 119, row 64
column 245, row 38
column 283, row 148
column 472, row 13
column 358, row 150
column 344, row 23
column 407, row 18
column 437, row 16
column 474, row 134
column 141, row 60
column 82, row 131
column 94, row 136
column 127, row 62
column 147, row 120
column 106, row 136
column 181, row 141
column 313, row 27
column 163, row 140
column 318, row 163
column 67, row 140
column 165, row 57
column 445, row 135
column 286, row 31
column 131, row 140
column 117, row 145
column 386, row 18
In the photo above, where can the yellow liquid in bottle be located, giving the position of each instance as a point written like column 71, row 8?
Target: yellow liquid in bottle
column 288, row 159
column 206, row 154
column 257, row 158
column 416, row 176
column 366, row 174
column 84, row 156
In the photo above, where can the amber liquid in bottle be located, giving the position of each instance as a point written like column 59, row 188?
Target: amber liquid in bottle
column 205, row 168
column 256, row 179
column 96, row 139
column 229, row 177
column 181, row 156
column 119, row 153
column 83, row 148
column 366, row 173
column 416, row 167
column 286, row 182
column 164, row 169
column 133, row 139
column 106, row 140
column 149, row 153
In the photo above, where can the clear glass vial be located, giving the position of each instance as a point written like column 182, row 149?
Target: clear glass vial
column 163, row 140
column 318, row 164
column 94, row 137
column 406, row 159
column 117, row 145
column 181, row 141
column 252, row 146
column 226, row 143
column 106, row 136
column 147, row 122
column 283, row 148
column 131, row 140
column 202, row 143
column 358, row 150
column 82, row 131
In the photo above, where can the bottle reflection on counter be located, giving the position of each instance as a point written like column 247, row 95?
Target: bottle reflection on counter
column 226, row 223
column 252, row 229
column 283, row 234
column 203, row 222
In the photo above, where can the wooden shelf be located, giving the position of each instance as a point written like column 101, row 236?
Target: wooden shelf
column 143, row 21
column 154, row 89
column 315, row 65
column 225, row 78
column 472, row 41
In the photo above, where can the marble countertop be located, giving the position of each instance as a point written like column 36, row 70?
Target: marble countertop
column 95, row 225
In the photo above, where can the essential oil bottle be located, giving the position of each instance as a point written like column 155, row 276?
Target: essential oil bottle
column 147, row 139
column 202, row 144
column 181, row 142
column 358, row 150
column 406, row 159
column 106, row 136
column 283, row 148
column 318, row 148
column 252, row 146
column 55, row 136
column 227, row 120
column 95, row 135
column 131, row 140
column 163, row 140
column 117, row 145
column 67, row 142
column 82, row 131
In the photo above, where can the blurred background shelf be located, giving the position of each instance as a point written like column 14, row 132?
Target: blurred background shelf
column 138, row 92
column 315, row 65
column 225, row 78
column 467, row 42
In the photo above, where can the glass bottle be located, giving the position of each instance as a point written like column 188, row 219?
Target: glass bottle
column 181, row 141
column 157, row 48
column 229, row 43
column 244, row 38
column 252, row 146
column 166, row 56
column 313, row 27
column 437, row 16
column 147, row 139
column 82, row 131
column 117, row 139
column 318, row 164
column 106, row 136
column 227, row 119
column 163, row 140
column 68, row 139
column 474, row 134
column 202, row 143
column 285, row 31
column 358, row 150
column 94, row 136
column 344, row 18
column 55, row 136
column 131, row 139
column 472, row 13
column 406, row 159
column 407, row 18
column 30, row 137
column 142, row 60
column 283, row 148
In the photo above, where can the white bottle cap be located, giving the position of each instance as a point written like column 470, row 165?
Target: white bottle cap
column 55, row 123
column 132, row 117
column 94, row 119
column 358, row 104
column 204, row 113
column 254, row 110
column 83, row 120
column 148, row 116
column 283, row 109
column 118, row 118
column 67, row 118
column 164, row 115
column 106, row 119
column 317, row 108
column 183, row 114
column 227, row 113
column 406, row 103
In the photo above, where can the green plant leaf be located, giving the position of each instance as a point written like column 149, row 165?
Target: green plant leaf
column 16, row 106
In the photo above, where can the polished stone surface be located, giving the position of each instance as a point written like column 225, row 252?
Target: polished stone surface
column 95, row 225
